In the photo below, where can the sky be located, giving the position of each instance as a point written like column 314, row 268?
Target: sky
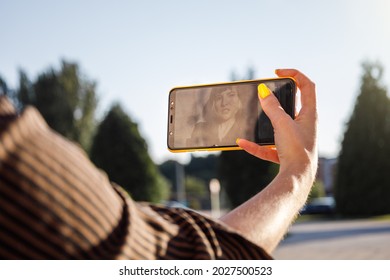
column 137, row 51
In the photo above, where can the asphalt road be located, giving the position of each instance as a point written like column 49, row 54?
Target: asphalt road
column 336, row 240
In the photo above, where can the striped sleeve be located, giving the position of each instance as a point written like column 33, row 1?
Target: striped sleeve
column 55, row 204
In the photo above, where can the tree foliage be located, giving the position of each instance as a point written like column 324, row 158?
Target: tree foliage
column 119, row 150
column 196, row 192
column 204, row 168
column 198, row 173
column 318, row 190
column 363, row 181
column 3, row 87
column 65, row 98
column 243, row 175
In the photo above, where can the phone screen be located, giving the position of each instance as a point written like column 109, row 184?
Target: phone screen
column 212, row 117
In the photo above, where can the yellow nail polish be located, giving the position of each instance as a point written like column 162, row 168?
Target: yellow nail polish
column 237, row 140
column 263, row 91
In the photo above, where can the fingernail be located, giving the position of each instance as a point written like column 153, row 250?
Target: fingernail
column 263, row 91
column 237, row 140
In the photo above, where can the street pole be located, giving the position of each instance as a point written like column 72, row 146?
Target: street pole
column 215, row 188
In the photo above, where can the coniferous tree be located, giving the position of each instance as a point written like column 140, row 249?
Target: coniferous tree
column 65, row 98
column 243, row 175
column 363, row 181
column 121, row 152
column 3, row 87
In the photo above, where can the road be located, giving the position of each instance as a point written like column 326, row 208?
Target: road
column 337, row 240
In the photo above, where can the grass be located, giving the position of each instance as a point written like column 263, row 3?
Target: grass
column 308, row 218
column 382, row 218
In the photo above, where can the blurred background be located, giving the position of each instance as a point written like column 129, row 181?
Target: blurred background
column 100, row 73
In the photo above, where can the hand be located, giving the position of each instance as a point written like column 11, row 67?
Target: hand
column 295, row 140
column 265, row 217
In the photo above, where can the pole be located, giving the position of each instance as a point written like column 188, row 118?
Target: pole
column 215, row 188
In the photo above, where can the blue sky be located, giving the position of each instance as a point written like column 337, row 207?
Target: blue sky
column 137, row 51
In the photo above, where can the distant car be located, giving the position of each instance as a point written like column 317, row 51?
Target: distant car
column 174, row 204
column 320, row 205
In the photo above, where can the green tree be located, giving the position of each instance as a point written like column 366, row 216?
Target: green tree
column 3, row 87
column 318, row 190
column 198, row 173
column 204, row 168
column 362, row 181
column 65, row 98
column 195, row 192
column 168, row 169
column 119, row 150
column 242, row 175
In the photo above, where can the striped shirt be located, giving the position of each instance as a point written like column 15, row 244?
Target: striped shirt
column 55, row 204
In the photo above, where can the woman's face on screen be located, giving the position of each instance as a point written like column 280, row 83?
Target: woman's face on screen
column 226, row 104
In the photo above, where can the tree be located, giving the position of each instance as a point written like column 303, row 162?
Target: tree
column 3, row 87
column 196, row 192
column 362, row 181
column 242, row 175
column 204, row 168
column 65, row 98
column 318, row 190
column 196, row 177
column 119, row 150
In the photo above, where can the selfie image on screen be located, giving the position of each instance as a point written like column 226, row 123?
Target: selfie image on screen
column 222, row 119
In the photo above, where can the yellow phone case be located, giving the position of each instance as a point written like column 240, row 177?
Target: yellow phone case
column 218, row 148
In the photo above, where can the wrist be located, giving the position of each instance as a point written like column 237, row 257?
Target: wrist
column 298, row 179
column 303, row 166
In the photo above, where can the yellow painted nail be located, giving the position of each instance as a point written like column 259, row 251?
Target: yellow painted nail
column 263, row 91
column 237, row 140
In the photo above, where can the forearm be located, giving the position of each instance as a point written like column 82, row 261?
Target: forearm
column 265, row 218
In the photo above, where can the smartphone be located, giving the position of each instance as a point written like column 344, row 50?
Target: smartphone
column 211, row 117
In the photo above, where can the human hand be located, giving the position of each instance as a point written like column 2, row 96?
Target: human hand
column 295, row 140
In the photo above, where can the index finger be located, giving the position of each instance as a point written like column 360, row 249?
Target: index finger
column 306, row 86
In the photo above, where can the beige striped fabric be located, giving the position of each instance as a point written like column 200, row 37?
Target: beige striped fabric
column 55, row 204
